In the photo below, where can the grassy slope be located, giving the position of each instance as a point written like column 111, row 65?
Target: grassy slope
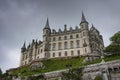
column 51, row 65
column 58, row 64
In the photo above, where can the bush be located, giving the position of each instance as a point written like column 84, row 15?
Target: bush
column 98, row 78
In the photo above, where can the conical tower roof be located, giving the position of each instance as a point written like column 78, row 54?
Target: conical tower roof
column 24, row 47
column 83, row 19
column 47, row 24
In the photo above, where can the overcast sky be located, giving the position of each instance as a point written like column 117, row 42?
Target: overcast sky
column 23, row 20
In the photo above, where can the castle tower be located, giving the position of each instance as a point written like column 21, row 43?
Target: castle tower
column 23, row 49
column 85, row 35
column 46, row 36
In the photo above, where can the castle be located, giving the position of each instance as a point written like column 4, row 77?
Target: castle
column 80, row 41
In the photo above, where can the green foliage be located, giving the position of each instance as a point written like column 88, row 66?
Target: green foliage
column 114, row 47
column 112, row 57
column 72, row 74
column 98, row 78
column 116, row 38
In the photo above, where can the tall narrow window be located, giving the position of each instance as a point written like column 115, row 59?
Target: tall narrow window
column 77, row 36
column 83, row 33
column 71, row 44
column 65, row 53
column 59, row 53
column 54, row 39
column 78, row 52
column 60, row 46
column 38, row 51
column 65, row 45
column 53, row 54
column 54, row 46
column 49, row 46
column 65, row 37
column 85, row 50
column 72, row 53
column 59, row 38
column 71, row 37
column 78, row 43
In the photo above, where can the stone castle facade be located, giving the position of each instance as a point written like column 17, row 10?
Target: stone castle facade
column 80, row 41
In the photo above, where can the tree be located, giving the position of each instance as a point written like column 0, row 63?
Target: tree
column 116, row 38
column 114, row 47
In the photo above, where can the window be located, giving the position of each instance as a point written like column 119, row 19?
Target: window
column 78, row 43
column 46, row 38
column 65, row 37
column 49, row 39
column 54, row 46
column 53, row 54
column 65, row 45
column 59, row 38
column 72, row 53
column 38, row 57
column 77, row 36
column 78, row 52
column 65, row 53
column 38, row 51
column 41, row 50
column 85, row 50
column 71, row 44
column 59, row 46
column 71, row 37
column 59, row 53
column 83, row 33
column 49, row 46
column 54, row 39
column 25, row 56
column 25, row 62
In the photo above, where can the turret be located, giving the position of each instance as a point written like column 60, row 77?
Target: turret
column 83, row 23
column 23, row 49
column 46, row 34
column 46, row 29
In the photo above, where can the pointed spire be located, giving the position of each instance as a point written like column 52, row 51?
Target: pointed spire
column 47, row 24
column 83, row 19
column 24, row 47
